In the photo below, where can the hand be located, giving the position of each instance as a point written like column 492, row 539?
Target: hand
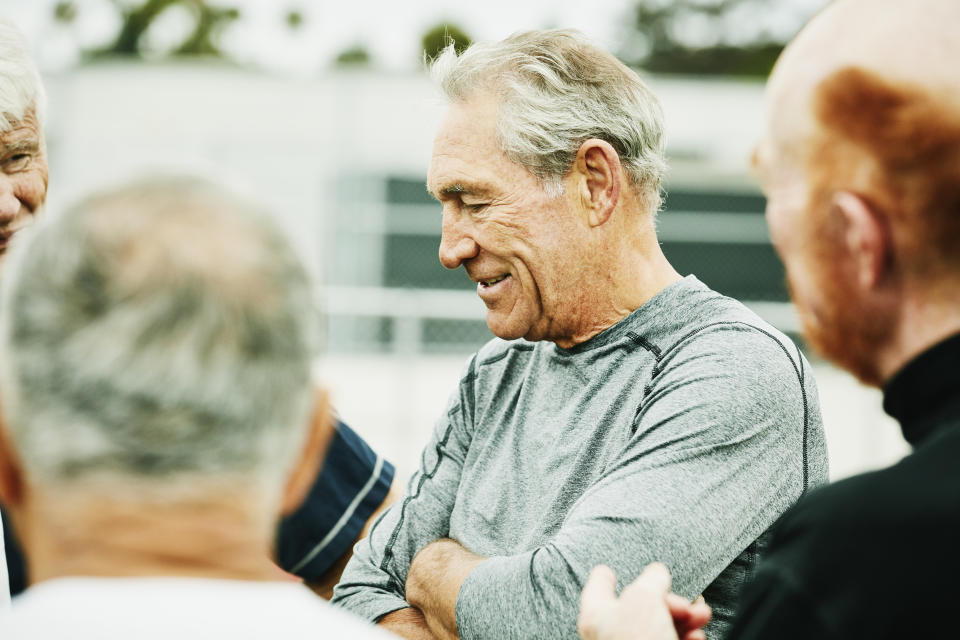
column 646, row 610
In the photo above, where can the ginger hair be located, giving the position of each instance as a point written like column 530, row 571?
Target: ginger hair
column 898, row 147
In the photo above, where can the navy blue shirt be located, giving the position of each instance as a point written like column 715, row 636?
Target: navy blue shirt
column 352, row 483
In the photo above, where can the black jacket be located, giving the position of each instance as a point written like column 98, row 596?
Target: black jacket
column 877, row 555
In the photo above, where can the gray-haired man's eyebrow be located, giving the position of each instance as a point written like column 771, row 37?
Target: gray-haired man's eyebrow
column 458, row 189
column 28, row 145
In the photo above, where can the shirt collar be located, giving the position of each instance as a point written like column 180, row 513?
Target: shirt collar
column 926, row 390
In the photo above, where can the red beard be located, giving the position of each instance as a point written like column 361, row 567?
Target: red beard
column 842, row 327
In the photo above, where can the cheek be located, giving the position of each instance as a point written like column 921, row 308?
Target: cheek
column 31, row 189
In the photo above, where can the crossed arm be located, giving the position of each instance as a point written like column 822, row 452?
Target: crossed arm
column 433, row 583
column 677, row 495
column 645, row 611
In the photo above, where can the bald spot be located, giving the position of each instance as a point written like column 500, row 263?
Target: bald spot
column 866, row 100
column 192, row 234
column 912, row 42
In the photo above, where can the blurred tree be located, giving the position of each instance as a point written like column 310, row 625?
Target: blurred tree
column 210, row 23
column 700, row 37
column 65, row 12
column 294, row 19
column 353, row 57
column 437, row 38
column 137, row 18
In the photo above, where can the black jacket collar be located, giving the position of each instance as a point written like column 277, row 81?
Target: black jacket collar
column 925, row 393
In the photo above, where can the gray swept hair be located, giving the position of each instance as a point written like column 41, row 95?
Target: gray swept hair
column 557, row 90
column 157, row 331
column 21, row 89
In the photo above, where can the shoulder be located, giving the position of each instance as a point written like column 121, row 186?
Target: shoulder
column 726, row 343
column 739, row 379
column 723, row 325
column 911, row 500
column 126, row 608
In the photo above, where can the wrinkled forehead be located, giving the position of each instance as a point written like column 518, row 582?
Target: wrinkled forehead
column 26, row 128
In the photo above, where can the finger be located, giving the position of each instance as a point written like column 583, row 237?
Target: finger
column 597, row 593
column 600, row 584
column 677, row 604
column 700, row 614
column 698, row 634
column 657, row 575
column 699, row 600
column 687, row 616
column 655, row 579
column 697, row 616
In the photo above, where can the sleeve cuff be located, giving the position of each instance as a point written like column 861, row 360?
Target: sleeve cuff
column 351, row 485
column 370, row 604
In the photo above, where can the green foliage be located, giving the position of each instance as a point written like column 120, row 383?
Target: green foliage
column 755, row 60
column 294, row 19
column 355, row 56
column 438, row 37
column 659, row 26
column 65, row 12
column 209, row 22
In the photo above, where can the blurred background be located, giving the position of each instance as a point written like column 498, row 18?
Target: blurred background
column 324, row 111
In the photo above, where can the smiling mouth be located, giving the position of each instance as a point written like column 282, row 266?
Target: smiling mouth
column 493, row 281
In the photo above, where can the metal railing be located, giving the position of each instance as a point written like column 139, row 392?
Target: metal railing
column 409, row 309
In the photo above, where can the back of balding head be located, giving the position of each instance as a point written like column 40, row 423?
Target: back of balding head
column 159, row 330
column 913, row 41
column 867, row 97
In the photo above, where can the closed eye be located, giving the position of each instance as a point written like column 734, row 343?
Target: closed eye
column 16, row 162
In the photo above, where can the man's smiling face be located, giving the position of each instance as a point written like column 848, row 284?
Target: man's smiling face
column 515, row 239
column 23, row 176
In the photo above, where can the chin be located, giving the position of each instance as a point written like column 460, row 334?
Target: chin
column 506, row 333
column 506, row 330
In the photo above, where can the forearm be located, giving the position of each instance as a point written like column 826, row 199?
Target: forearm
column 433, row 584
column 407, row 623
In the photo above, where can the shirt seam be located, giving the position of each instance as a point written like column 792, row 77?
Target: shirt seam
column 798, row 371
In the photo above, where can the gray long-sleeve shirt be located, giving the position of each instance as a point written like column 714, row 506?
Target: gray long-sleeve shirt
column 680, row 434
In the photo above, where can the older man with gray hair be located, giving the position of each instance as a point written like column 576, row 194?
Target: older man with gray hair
column 23, row 162
column 623, row 414
column 354, row 483
column 23, row 159
column 159, row 414
column 860, row 161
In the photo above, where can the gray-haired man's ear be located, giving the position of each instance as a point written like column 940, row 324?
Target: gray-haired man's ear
column 310, row 460
column 598, row 173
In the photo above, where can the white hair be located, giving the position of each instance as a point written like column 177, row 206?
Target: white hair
column 557, row 90
column 159, row 331
column 21, row 90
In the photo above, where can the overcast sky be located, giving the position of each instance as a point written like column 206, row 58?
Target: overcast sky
column 390, row 30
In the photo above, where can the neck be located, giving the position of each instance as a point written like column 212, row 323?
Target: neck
column 69, row 532
column 924, row 322
column 631, row 272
